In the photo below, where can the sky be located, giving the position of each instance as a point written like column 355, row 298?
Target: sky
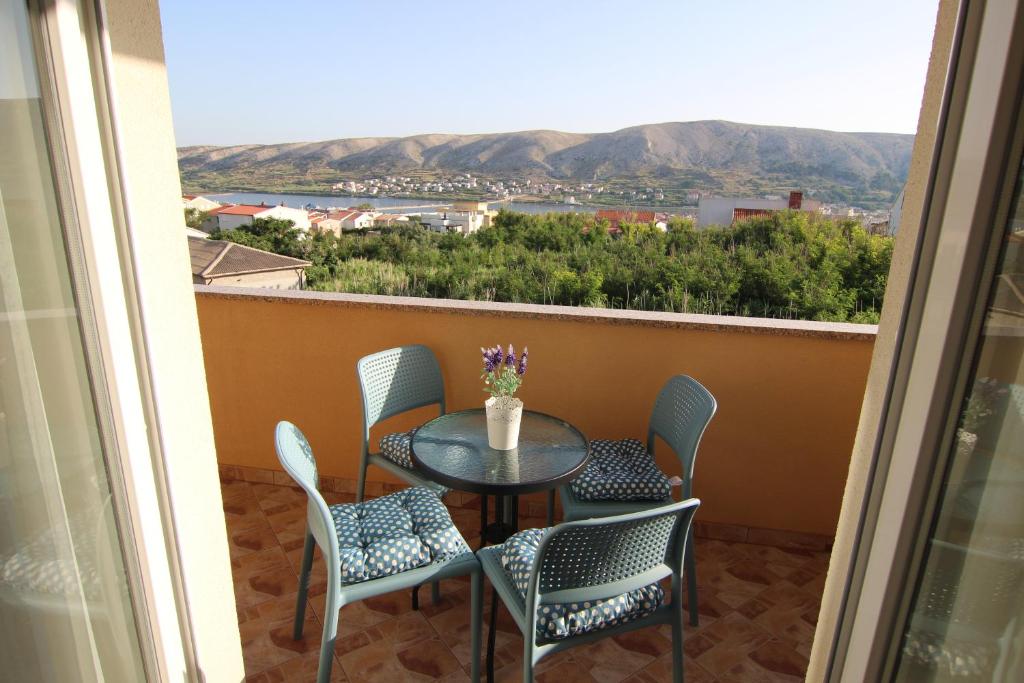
column 265, row 71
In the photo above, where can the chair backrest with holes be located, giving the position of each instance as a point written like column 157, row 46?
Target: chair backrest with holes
column 603, row 557
column 681, row 413
column 398, row 380
column 296, row 457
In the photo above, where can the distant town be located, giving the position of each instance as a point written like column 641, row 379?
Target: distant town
column 522, row 189
column 469, row 215
column 468, row 191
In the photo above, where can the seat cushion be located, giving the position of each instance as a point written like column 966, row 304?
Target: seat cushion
column 557, row 621
column 621, row 470
column 398, row 448
column 393, row 534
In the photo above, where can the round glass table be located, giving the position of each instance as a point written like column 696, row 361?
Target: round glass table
column 452, row 450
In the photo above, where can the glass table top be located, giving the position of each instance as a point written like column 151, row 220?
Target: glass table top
column 452, row 450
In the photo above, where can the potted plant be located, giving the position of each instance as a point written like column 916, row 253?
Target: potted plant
column 502, row 376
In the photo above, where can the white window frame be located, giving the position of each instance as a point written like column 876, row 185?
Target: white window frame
column 108, row 114
column 978, row 146
column 87, row 206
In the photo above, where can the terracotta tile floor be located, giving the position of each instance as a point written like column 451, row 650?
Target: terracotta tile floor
column 758, row 606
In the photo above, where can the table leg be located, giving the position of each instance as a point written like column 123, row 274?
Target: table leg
column 506, row 519
column 501, row 506
column 483, row 520
column 499, row 511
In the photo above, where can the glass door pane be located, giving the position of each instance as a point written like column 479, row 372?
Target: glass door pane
column 967, row 618
column 65, row 607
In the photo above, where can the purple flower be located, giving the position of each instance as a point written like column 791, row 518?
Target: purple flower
column 498, row 357
column 510, row 358
column 521, row 370
column 489, row 364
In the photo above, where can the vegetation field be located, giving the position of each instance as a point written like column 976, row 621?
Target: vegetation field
column 790, row 265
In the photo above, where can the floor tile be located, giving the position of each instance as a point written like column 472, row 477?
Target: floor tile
column 758, row 607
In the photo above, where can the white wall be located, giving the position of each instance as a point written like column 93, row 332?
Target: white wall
column 278, row 279
column 298, row 216
column 181, row 425
column 230, row 221
column 718, row 210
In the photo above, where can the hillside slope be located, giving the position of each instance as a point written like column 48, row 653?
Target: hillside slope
column 717, row 156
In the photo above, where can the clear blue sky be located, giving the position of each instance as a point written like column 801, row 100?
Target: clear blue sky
column 265, row 71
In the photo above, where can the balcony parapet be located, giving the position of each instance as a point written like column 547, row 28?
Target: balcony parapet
column 775, row 457
column 608, row 316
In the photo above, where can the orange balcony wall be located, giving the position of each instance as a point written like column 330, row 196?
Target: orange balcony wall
column 775, row 457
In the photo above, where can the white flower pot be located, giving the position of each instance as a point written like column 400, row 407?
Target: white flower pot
column 503, row 417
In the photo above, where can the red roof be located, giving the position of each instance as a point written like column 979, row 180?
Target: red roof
column 629, row 216
column 739, row 214
column 615, row 217
column 242, row 210
column 345, row 215
column 188, row 196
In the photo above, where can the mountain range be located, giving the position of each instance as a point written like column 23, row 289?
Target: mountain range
column 717, row 156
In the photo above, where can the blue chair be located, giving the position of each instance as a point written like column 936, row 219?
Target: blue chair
column 393, row 382
column 626, row 469
column 390, row 543
column 582, row 581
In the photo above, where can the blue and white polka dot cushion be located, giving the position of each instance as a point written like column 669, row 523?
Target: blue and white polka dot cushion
column 38, row 566
column 557, row 621
column 621, row 470
column 393, row 534
column 398, row 448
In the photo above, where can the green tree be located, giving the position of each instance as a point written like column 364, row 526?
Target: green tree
column 194, row 218
column 787, row 265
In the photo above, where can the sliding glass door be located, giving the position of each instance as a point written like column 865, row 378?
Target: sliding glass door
column 66, row 610
column 966, row 621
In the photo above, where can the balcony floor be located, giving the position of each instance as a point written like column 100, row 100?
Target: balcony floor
column 758, row 609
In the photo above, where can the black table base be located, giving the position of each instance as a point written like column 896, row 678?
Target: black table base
column 500, row 529
column 494, row 533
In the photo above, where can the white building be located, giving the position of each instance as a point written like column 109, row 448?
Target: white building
column 191, row 201
column 230, row 217
column 352, row 219
column 324, row 224
column 725, row 210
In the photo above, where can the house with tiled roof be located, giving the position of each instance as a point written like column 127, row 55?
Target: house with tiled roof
column 724, row 211
column 352, row 219
column 198, row 202
column 616, row 217
column 233, row 215
column 218, row 262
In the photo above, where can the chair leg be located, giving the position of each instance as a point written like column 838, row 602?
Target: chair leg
column 677, row 640
column 691, row 581
column 323, row 674
column 300, row 602
column 551, row 507
column 415, row 598
column 476, row 618
column 491, row 634
column 361, row 483
column 527, row 659
column 435, row 592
